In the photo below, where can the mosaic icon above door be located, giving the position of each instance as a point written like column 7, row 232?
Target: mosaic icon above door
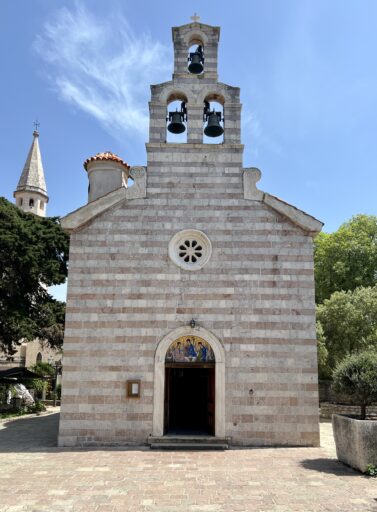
column 190, row 349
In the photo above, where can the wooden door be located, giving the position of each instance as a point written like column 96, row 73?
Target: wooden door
column 211, row 401
column 167, row 399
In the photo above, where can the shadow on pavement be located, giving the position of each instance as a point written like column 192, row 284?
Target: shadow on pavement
column 40, row 434
column 331, row 466
column 29, row 433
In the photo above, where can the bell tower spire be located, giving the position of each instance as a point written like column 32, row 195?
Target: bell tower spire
column 31, row 192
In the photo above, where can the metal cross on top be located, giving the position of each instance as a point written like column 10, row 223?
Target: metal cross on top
column 195, row 18
column 36, row 125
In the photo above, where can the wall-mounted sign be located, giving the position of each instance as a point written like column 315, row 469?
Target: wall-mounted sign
column 133, row 388
column 190, row 349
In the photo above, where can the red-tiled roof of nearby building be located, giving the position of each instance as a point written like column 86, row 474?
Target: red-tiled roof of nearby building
column 106, row 155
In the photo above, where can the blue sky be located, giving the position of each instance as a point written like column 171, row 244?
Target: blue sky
column 307, row 72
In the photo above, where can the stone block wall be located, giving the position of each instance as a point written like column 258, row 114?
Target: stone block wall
column 256, row 294
column 328, row 409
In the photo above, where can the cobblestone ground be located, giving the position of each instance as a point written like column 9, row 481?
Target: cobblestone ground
column 37, row 476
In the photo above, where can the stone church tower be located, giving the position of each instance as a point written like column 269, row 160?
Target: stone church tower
column 190, row 309
column 31, row 193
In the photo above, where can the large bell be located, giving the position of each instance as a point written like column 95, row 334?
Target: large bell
column 196, row 61
column 176, row 125
column 214, row 128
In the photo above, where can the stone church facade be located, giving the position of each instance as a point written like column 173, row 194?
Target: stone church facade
column 190, row 307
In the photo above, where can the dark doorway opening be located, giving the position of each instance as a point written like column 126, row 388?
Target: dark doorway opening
column 190, row 400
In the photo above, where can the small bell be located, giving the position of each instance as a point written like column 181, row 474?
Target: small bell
column 196, row 60
column 176, row 125
column 213, row 128
column 176, row 120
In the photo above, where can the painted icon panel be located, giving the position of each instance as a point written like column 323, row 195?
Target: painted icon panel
column 190, row 349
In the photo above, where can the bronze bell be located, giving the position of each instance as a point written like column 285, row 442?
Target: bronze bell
column 176, row 120
column 213, row 128
column 196, row 60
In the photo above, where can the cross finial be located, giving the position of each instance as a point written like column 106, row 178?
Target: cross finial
column 36, row 125
column 195, row 18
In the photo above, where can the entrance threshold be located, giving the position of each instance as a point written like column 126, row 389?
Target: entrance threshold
column 188, row 442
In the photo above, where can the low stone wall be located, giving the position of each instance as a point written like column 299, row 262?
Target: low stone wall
column 50, row 402
column 327, row 410
column 327, row 394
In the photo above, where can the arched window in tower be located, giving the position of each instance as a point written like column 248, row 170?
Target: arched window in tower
column 176, row 118
column 39, row 358
column 20, row 201
column 196, row 58
column 213, row 120
column 31, row 203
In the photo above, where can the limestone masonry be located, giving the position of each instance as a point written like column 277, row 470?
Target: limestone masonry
column 129, row 299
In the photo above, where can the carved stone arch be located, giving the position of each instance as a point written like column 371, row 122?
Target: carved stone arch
column 195, row 36
column 159, row 377
column 173, row 93
column 213, row 93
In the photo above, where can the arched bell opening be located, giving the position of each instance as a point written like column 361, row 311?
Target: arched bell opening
column 213, row 120
column 195, row 57
column 176, row 129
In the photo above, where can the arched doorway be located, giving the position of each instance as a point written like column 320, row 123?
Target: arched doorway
column 189, row 384
column 189, row 406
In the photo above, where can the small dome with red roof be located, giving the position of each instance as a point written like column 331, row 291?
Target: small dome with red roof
column 106, row 155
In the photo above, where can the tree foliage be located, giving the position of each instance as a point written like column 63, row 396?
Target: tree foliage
column 44, row 370
column 349, row 322
column 33, row 256
column 356, row 376
column 347, row 258
column 322, row 353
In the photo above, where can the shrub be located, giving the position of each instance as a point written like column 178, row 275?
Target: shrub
column 371, row 470
column 356, row 376
column 44, row 370
column 37, row 407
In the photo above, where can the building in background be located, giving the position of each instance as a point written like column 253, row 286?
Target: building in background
column 31, row 196
column 31, row 192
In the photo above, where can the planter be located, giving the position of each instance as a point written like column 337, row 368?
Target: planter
column 355, row 441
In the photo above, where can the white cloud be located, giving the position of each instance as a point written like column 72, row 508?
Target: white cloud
column 99, row 65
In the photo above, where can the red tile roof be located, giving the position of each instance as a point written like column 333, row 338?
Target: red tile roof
column 106, row 155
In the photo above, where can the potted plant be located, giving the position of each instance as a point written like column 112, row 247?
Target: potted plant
column 356, row 438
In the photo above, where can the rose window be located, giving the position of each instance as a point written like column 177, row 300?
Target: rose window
column 190, row 249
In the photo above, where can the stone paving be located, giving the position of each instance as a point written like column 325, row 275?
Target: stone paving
column 37, row 476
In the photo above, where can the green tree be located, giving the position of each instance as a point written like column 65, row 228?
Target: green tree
column 33, row 256
column 43, row 370
column 347, row 258
column 322, row 352
column 349, row 322
column 356, row 376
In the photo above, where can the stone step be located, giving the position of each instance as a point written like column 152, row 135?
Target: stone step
column 183, row 442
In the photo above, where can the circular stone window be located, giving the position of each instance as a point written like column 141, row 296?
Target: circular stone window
column 190, row 249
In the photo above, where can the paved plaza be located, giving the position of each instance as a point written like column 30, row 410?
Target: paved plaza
column 37, row 476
